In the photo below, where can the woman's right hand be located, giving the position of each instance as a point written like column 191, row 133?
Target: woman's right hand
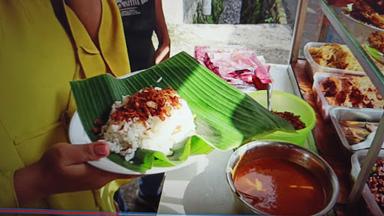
column 63, row 168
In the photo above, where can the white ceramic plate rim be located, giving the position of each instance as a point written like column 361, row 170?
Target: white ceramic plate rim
column 78, row 136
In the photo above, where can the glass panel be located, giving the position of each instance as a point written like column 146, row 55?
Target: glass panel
column 355, row 36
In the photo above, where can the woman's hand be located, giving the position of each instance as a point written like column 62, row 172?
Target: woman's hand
column 63, row 168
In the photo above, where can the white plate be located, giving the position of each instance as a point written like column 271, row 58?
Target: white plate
column 78, row 136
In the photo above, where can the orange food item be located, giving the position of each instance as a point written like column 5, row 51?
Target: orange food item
column 335, row 56
column 147, row 102
column 368, row 12
column 278, row 187
column 376, row 40
column 291, row 118
column 351, row 91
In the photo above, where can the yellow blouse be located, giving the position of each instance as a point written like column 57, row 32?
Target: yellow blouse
column 37, row 62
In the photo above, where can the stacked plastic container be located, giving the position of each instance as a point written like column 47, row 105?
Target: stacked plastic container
column 337, row 114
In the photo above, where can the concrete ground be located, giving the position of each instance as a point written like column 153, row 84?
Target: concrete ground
column 273, row 41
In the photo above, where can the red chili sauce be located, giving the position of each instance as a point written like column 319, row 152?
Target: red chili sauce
column 279, row 187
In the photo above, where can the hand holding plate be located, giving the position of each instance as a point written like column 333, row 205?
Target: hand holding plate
column 63, row 168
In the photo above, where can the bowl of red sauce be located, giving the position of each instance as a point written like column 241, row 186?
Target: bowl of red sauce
column 273, row 178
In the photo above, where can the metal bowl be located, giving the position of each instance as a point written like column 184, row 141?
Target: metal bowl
column 293, row 153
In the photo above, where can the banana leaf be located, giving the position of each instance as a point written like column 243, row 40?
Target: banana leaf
column 376, row 54
column 225, row 117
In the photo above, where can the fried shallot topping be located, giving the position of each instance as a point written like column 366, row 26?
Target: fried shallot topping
column 370, row 11
column 351, row 91
column 376, row 40
column 145, row 103
column 291, row 118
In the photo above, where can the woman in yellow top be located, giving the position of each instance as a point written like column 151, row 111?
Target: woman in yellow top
column 44, row 45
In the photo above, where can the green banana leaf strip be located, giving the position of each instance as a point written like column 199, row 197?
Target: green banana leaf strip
column 376, row 54
column 225, row 117
column 146, row 159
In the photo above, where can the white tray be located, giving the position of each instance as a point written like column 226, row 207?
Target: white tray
column 320, row 98
column 314, row 67
column 357, row 28
column 321, row 101
column 341, row 113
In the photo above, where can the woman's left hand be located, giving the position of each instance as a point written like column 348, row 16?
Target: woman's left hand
column 162, row 53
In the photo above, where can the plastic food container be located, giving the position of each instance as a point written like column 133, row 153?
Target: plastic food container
column 356, row 161
column 282, row 101
column 320, row 98
column 313, row 67
column 321, row 101
column 341, row 113
column 357, row 28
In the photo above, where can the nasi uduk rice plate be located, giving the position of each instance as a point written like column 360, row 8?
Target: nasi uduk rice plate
column 153, row 119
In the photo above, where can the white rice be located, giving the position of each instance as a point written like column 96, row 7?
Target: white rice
column 156, row 134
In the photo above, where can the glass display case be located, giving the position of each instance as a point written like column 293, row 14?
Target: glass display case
column 360, row 32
